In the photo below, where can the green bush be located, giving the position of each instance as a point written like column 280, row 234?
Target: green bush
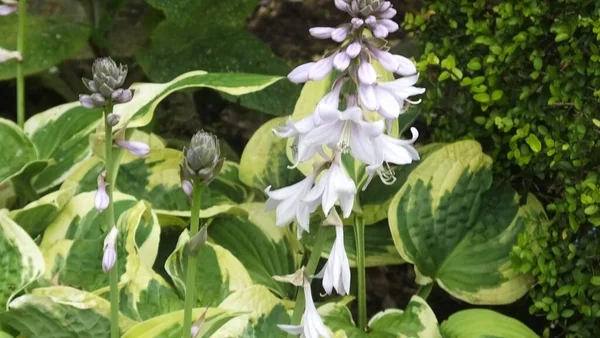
column 523, row 78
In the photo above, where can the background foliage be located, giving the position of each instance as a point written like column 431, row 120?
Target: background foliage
column 522, row 77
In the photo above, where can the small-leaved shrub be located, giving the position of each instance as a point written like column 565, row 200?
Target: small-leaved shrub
column 523, row 78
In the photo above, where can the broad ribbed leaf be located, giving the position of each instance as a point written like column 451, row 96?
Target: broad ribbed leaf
column 476, row 323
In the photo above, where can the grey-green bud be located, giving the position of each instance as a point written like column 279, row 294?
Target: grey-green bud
column 107, row 76
column 367, row 7
column 198, row 241
column 202, row 160
column 113, row 119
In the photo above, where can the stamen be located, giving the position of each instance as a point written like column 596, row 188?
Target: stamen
column 387, row 175
column 344, row 143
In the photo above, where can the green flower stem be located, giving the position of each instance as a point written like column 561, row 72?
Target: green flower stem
column 311, row 266
column 20, row 76
column 111, row 178
column 191, row 262
column 424, row 290
column 359, row 231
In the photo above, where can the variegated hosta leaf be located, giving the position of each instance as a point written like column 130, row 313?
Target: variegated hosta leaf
column 73, row 243
column 458, row 228
column 17, row 150
column 311, row 94
column 20, row 259
column 264, row 161
column 379, row 245
column 5, row 335
column 155, row 178
column 376, row 199
column 59, row 311
column 62, row 133
column 263, row 311
column 218, row 272
column 416, row 321
column 475, row 323
column 170, row 325
column 37, row 215
column 264, row 249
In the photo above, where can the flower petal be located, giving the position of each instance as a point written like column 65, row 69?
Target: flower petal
column 321, row 32
column 367, row 97
column 300, row 73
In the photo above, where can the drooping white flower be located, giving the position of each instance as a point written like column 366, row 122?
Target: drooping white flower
column 101, row 199
column 391, row 150
column 110, row 250
column 6, row 55
column 9, row 7
column 311, row 325
column 336, row 272
column 333, row 186
column 288, row 203
column 392, row 95
column 136, row 148
column 345, row 131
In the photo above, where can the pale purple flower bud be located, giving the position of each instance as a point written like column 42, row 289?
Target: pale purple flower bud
column 110, row 250
column 354, row 49
column 385, row 6
column 367, row 97
column 339, row 34
column 354, row 7
column 388, row 14
column 300, row 73
column 357, row 22
column 122, row 95
column 321, row 69
column 341, row 5
column 134, row 147
column 371, row 20
column 380, row 31
column 187, row 187
column 341, row 61
column 86, row 101
column 321, row 32
column 386, row 60
column 7, row 9
column 101, row 200
column 366, row 72
column 89, row 84
column 113, row 119
column 389, row 24
column 405, row 66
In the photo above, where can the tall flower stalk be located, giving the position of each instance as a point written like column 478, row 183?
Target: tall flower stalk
column 201, row 164
column 341, row 126
column 20, row 75
column 106, row 92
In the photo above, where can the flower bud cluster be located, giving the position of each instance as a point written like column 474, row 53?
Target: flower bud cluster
column 108, row 78
column 202, row 161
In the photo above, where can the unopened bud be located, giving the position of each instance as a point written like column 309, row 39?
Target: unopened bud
column 195, row 330
column 8, row 8
column 101, row 200
column 113, row 119
column 110, row 250
column 122, row 95
column 135, row 148
column 202, row 160
column 198, row 241
column 107, row 76
column 367, row 7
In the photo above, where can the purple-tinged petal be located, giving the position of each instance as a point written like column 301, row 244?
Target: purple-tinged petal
column 367, row 97
column 405, row 66
column 339, row 34
column 354, row 49
column 384, row 6
column 367, row 73
column 109, row 258
column 341, row 61
column 125, row 96
column 300, row 73
column 86, row 101
column 386, row 59
column 388, row 14
column 187, row 187
column 7, row 9
column 341, row 5
column 134, row 147
column 371, row 20
column 321, row 32
column 357, row 22
column 321, row 69
column 380, row 31
column 389, row 24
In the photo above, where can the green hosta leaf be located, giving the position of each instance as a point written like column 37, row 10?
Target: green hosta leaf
column 264, row 161
column 5, row 335
column 417, row 320
column 171, row 324
column 458, row 229
column 155, row 178
column 61, row 135
column 73, row 243
column 22, row 262
column 218, row 48
column 264, row 249
column 17, row 150
column 475, row 323
column 57, row 312
column 379, row 245
column 230, row 13
column 48, row 41
column 263, row 312
column 37, row 215
column 218, row 272
column 375, row 200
